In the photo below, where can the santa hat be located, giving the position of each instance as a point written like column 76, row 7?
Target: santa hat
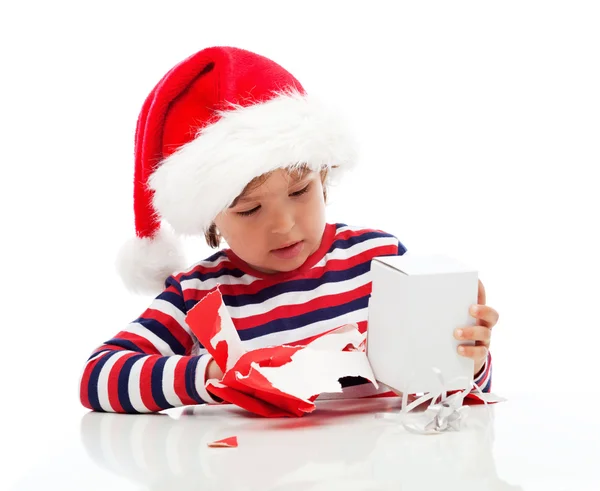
column 213, row 123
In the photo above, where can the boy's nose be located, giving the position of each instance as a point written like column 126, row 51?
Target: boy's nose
column 282, row 222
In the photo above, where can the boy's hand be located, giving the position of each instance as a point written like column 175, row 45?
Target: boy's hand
column 481, row 332
column 213, row 371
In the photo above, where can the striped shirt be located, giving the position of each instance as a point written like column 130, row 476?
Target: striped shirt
column 157, row 363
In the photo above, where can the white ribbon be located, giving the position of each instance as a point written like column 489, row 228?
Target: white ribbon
column 445, row 415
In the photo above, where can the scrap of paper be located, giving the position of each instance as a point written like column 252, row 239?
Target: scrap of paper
column 483, row 398
column 230, row 442
column 276, row 381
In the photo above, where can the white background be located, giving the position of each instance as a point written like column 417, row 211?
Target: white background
column 479, row 128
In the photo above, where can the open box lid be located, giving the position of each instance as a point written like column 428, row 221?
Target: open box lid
column 424, row 264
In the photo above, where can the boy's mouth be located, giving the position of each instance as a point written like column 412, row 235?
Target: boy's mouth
column 290, row 250
column 289, row 244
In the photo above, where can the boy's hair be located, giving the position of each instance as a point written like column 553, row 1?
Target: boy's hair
column 212, row 236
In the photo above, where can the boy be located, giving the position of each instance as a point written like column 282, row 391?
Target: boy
column 229, row 145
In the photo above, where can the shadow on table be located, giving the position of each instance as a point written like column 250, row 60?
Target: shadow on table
column 351, row 444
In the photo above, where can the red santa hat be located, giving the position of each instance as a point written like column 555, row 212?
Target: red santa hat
column 213, row 123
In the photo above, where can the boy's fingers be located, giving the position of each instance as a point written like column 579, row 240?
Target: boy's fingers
column 474, row 333
column 474, row 352
column 485, row 315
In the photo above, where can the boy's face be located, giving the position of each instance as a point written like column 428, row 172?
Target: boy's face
column 285, row 209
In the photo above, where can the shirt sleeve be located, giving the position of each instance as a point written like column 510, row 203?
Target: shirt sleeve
column 401, row 249
column 484, row 378
column 154, row 363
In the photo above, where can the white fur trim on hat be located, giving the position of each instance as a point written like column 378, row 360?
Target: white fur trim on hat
column 203, row 177
column 145, row 263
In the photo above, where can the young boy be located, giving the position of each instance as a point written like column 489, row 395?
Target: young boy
column 229, row 145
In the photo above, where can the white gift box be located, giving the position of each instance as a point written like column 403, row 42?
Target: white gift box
column 417, row 302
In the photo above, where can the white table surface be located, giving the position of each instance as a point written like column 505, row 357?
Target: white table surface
column 529, row 442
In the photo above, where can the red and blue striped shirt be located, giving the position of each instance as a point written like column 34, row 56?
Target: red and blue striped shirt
column 156, row 362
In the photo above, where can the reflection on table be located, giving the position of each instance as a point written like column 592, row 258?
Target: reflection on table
column 356, row 444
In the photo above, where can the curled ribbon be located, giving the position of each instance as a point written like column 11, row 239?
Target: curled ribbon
column 447, row 413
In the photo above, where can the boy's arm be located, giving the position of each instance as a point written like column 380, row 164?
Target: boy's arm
column 148, row 366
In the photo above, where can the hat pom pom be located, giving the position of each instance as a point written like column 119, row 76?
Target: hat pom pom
column 145, row 263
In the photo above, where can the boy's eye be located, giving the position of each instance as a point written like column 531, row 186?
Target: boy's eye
column 255, row 209
column 302, row 191
column 249, row 212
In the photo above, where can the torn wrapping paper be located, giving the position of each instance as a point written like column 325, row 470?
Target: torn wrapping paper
column 280, row 380
column 230, row 442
